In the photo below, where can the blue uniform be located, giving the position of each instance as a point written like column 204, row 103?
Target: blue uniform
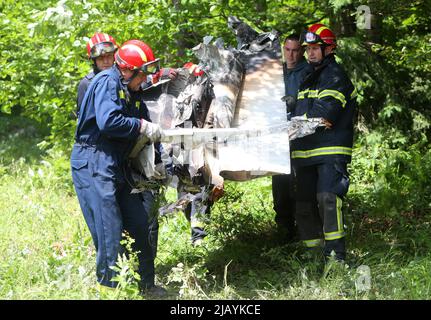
column 82, row 89
column 107, row 128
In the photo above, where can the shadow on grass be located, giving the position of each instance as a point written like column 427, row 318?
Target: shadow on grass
column 254, row 263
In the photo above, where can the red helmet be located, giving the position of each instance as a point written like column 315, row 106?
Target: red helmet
column 135, row 54
column 99, row 44
column 319, row 34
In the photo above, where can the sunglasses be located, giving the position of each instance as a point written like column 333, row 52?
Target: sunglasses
column 102, row 48
column 151, row 67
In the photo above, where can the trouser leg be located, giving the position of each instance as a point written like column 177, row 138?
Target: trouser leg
column 332, row 186
column 84, row 197
column 284, row 202
column 306, row 214
column 98, row 200
column 135, row 220
column 109, row 227
column 149, row 200
column 82, row 181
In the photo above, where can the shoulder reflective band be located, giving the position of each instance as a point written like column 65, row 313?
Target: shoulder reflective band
column 121, row 94
column 334, row 94
column 321, row 152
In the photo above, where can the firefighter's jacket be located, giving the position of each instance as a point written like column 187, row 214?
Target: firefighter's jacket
column 326, row 93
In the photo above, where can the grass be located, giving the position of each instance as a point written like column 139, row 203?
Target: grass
column 47, row 253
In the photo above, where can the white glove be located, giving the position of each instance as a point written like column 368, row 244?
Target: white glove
column 151, row 130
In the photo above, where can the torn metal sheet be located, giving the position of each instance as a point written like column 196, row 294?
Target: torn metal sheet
column 222, row 123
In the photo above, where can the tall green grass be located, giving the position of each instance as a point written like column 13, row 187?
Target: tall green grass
column 46, row 251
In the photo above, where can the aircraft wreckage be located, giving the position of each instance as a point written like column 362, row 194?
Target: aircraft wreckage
column 224, row 119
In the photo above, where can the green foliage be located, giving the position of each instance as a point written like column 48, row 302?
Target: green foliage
column 389, row 176
column 47, row 251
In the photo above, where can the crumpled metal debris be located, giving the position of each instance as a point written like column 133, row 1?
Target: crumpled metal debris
column 302, row 126
column 199, row 199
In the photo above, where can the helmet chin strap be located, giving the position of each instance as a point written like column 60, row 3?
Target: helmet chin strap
column 126, row 82
column 96, row 70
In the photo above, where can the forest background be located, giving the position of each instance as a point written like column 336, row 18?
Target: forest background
column 46, row 249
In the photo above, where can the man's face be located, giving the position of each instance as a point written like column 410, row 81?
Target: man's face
column 136, row 82
column 314, row 53
column 105, row 61
column 292, row 52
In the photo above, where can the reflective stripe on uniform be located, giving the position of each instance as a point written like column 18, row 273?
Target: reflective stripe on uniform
column 334, row 94
column 335, row 235
column 321, row 152
column 340, row 224
column 312, row 243
column 313, row 94
column 308, row 94
column 121, row 94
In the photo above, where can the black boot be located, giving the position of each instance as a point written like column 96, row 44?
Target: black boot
column 337, row 248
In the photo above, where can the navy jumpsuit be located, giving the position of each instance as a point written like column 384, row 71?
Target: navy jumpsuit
column 106, row 131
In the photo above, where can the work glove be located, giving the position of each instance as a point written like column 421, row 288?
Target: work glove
column 164, row 74
column 151, row 130
column 194, row 69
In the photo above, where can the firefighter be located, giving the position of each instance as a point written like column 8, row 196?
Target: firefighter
column 100, row 50
column 295, row 68
column 320, row 159
column 108, row 126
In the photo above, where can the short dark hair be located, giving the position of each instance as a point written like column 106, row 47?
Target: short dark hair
column 293, row 37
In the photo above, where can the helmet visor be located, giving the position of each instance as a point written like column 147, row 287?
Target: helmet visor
column 311, row 38
column 151, row 67
column 102, row 48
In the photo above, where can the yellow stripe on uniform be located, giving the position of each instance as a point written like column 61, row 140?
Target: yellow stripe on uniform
column 334, row 94
column 312, row 243
column 312, row 94
column 334, row 235
column 122, row 94
column 308, row 94
column 321, row 152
